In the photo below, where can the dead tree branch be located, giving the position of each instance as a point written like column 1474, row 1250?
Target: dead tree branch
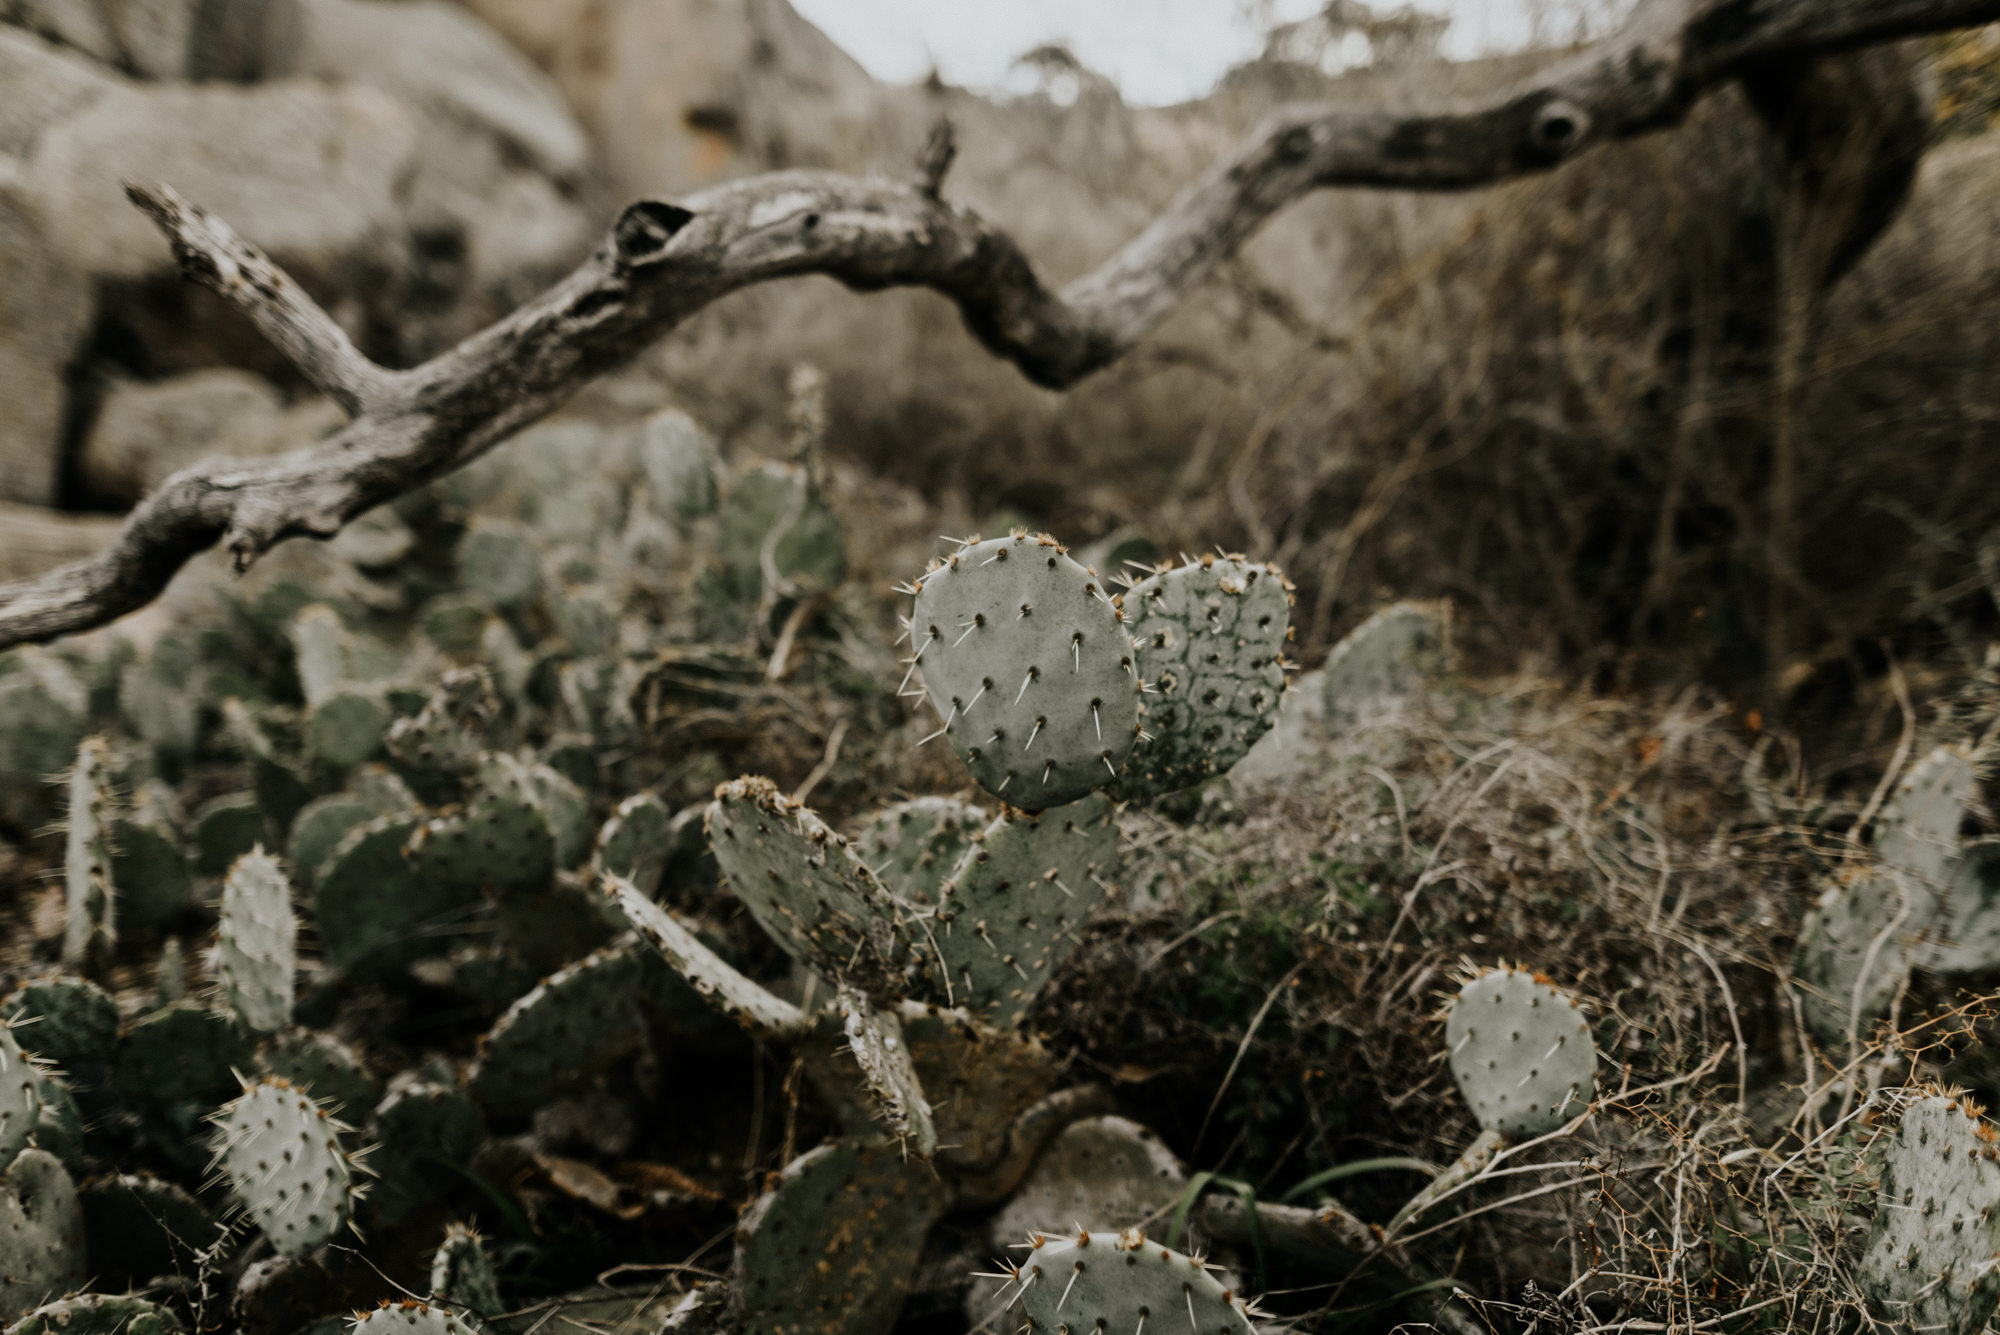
column 665, row 261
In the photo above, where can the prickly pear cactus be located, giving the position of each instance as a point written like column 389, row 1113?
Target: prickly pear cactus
column 636, row 842
column 282, row 1156
column 806, row 886
column 1852, row 956
column 20, row 1096
column 831, row 1247
column 91, row 929
column 67, row 1021
column 411, row 1317
column 181, row 1054
column 503, row 838
column 1027, row 662
column 423, row 1131
column 149, row 873
column 566, row 807
column 678, row 460
column 711, row 976
column 1388, row 657
column 1114, row 1281
column 372, row 905
column 912, row 846
column 1521, row 1052
column 256, row 955
column 582, row 1019
column 875, row 1037
column 41, row 1234
column 447, row 735
column 1937, row 1221
column 323, row 822
column 1013, row 906
column 347, row 726
column 1211, row 640
column 324, row 1067
column 775, row 523
column 1103, row 1168
column 462, row 1273
column 499, row 561
column 1916, row 832
column 99, row 1314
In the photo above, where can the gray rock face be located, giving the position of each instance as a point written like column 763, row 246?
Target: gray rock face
column 75, row 23
column 44, row 311
column 145, row 432
column 44, row 83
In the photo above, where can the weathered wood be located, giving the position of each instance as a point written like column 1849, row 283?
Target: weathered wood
column 663, row 261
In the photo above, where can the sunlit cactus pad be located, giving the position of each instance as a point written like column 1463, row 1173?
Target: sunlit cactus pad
column 20, row 1096
column 1521, row 1052
column 806, row 886
column 1088, row 1282
column 912, row 846
column 255, row 955
column 1210, row 636
column 411, row 1317
column 41, row 1234
column 1929, row 1262
column 1026, row 661
column 281, row 1154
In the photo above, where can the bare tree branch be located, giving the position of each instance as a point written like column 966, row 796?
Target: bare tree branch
column 664, row 261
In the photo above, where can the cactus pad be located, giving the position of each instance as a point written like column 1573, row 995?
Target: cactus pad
column 20, row 1096
column 636, row 842
column 1211, row 638
column 712, row 977
column 1845, row 946
column 324, row 1067
column 181, row 1054
column 1025, row 659
column 876, row 1040
column 503, row 837
column 75, row 1024
column 138, row 1227
column 1937, row 1223
column 912, row 846
column 347, row 726
column 99, row 1314
column 372, row 905
column 1106, row 1169
column 581, row 1019
column 1389, row 657
column 41, row 1234
column 256, row 955
column 1012, row 908
column 91, row 928
column 423, row 1134
column 149, row 874
column 831, row 1247
column 806, row 886
column 410, row 1317
column 1521, row 1052
column 446, row 735
column 462, row 1274
column 1113, row 1281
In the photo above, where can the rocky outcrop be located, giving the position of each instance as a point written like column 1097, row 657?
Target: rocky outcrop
column 147, row 431
column 44, row 311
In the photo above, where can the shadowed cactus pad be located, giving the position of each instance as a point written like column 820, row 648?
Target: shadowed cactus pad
column 1025, row 659
column 446, row 735
column 831, row 1248
column 1210, row 637
column 281, row 1154
column 74, row 1025
column 423, row 1133
column 372, row 905
column 636, row 842
column 1114, row 1281
column 503, row 838
column 912, row 846
column 1521, row 1052
column 41, row 1234
column 579, row 1021
column 256, row 938
column 462, row 1274
column 99, row 1314
column 181, row 1054
column 324, row 1067
column 1937, row 1222
column 806, row 886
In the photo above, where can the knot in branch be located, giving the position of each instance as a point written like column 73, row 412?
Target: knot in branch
column 644, row 229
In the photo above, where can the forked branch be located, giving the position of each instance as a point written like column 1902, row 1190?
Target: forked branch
column 665, row 261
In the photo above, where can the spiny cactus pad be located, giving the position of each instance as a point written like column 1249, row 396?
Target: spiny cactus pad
column 503, row 838
column 1113, row 1281
column 324, row 821
column 282, row 1156
column 636, row 842
column 876, row 1040
column 1845, row 947
column 912, row 846
column 806, row 886
column 74, row 1023
column 20, row 1096
column 256, row 942
column 1025, row 659
column 372, row 905
column 831, row 1247
column 446, row 735
column 91, row 928
column 410, row 1317
column 1014, row 904
column 324, row 1067
column 99, row 1314
column 1211, row 638
column 1521, row 1052
column 712, row 977
column 462, row 1273
column 582, row 1019
column 41, row 1234
column 1106, row 1169
column 1937, row 1221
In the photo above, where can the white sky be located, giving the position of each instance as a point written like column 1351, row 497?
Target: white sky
column 1158, row 51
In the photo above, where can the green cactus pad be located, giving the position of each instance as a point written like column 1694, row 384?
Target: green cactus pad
column 1014, row 905
column 41, row 1234
column 347, row 726
column 1916, row 832
column 410, row 1317
column 1113, row 1281
column 678, row 460
column 1027, row 661
column 59, row 1124
column 1844, row 944
column 912, row 846
column 256, row 956
column 978, row 1080
column 1521, row 1052
column 500, row 562
column 181, row 1054
column 447, row 735
column 74, row 1024
column 91, row 927
column 504, row 837
column 281, row 1153
column 325, row 821
column 806, row 886
column 138, row 1227
column 875, row 1038
column 1928, row 1263
column 566, row 807
column 20, row 1096
column 324, row 1067
column 1106, row 1169
column 372, row 905
column 149, row 874
column 1211, row 640
column 99, row 1314
column 636, row 842
column 831, row 1247
column 775, row 507
column 462, row 1273
column 711, row 976
column 40, row 729
column 1389, row 657
column 423, row 1134
column 225, row 829
column 322, row 650
column 581, row 1020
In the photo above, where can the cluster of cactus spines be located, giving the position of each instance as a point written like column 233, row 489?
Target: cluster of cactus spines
column 411, row 1317
column 578, row 1021
column 91, row 929
column 462, row 1274
column 1929, row 1260
column 503, row 838
column 1211, row 636
column 41, row 1234
column 912, row 846
column 636, row 842
column 99, row 1314
column 1029, row 666
column 875, row 1037
column 712, row 976
column 1388, row 657
column 324, row 1067
column 1118, row 1281
column 832, row 1245
column 1013, row 906
column 420, row 1129
column 281, row 1155
column 256, row 956
column 807, row 887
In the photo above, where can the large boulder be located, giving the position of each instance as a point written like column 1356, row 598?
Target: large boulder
column 43, row 83
column 145, row 432
column 44, row 313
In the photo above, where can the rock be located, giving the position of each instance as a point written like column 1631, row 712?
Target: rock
column 146, row 431
column 45, row 309
column 44, row 83
column 39, row 539
column 75, row 23
column 155, row 37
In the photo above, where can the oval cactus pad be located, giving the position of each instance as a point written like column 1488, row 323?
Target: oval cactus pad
column 1026, row 661
column 1521, row 1053
column 1929, row 1259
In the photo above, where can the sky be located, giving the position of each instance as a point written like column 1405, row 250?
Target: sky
column 1157, row 51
